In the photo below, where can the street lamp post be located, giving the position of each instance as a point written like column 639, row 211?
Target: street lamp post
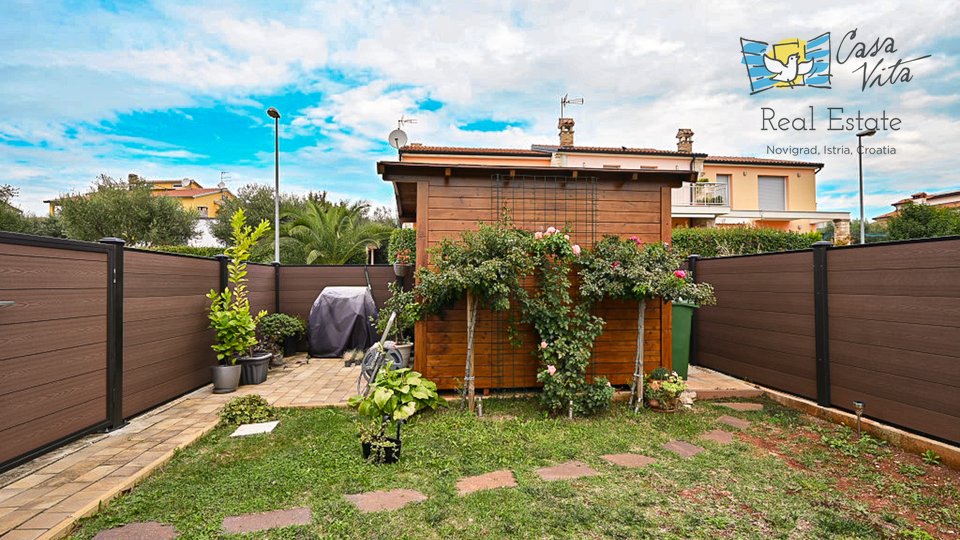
column 860, row 136
column 275, row 114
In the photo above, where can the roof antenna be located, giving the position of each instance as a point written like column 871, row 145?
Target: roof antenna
column 224, row 176
column 566, row 100
column 398, row 138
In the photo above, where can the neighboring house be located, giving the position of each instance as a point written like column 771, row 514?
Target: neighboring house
column 947, row 199
column 733, row 191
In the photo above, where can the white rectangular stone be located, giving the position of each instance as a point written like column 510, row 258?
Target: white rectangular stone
column 254, row 429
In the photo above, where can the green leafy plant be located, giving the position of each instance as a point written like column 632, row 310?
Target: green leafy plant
column 595, row 398
column 199, row 251
column 277, row 327
column 402, row 246
column 628, row 269
column 230, row 317
column 249, row 409
column 486, row 267
column 923, row 221
column 720, row 242
column 404, row 304
column 663, row 392
column 930, row 457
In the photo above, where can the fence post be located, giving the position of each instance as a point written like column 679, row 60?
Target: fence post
column 821, row 321
column 114, row 331
column 694, row 344
column 276, row 287
column 223, row 260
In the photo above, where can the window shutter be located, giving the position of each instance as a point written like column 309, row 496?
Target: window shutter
column 772, row 193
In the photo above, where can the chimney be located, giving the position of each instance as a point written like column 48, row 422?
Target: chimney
column 566, row 131
column 685, row 140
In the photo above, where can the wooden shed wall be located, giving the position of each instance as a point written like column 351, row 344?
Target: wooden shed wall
column 446, row 207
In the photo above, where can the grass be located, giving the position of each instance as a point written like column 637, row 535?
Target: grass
column 784, row 478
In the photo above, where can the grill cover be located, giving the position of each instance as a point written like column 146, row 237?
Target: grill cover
column 340, row 321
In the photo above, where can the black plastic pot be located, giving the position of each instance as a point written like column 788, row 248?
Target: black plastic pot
column 381, row 454
column 290, row 345
column 253, row 369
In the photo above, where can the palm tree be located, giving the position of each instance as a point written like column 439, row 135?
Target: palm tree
column 333, row 233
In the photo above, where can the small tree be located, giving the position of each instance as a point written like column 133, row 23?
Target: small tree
column 230, row 315
column 923, row 221
column 333, row 233
column 486, row 267
column 629, row 270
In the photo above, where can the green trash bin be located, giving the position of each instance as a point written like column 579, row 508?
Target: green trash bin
column 682, row 323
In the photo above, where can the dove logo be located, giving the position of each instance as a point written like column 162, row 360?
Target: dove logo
column 789, row 63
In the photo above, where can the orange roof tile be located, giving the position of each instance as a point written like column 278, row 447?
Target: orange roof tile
column 184, row 193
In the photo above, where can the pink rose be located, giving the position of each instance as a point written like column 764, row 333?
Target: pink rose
column 636, row 240
column 551, row 230
column 576, row 249
column 616, row 264
column 566, row 237
column 538, row 235
column 543, row 345
column 680, row 274
column 551, row 370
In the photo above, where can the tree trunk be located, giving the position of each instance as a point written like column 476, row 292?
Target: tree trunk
column 471, row 326
column 636, row 391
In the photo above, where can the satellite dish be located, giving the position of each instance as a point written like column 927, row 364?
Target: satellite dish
column 397, row 138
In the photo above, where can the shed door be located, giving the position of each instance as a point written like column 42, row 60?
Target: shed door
column 772, row 192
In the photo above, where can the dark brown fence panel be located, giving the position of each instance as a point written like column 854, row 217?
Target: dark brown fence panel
column 261, row 288
column 762, row 328
column 166, row 334
column 53, row 342
column 300, row 285
column 895, row 333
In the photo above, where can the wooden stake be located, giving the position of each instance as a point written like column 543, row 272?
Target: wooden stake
column 636, row 391
column 471, row 326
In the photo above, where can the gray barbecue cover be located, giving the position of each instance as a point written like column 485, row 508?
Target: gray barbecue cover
column 340, row 321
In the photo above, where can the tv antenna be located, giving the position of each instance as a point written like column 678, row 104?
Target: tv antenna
column 224, row 176
column 398, row 138
column 566, row 100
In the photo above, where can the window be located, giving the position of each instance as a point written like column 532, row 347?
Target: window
column 203, row 211
column 723, row 179
column 772, row 192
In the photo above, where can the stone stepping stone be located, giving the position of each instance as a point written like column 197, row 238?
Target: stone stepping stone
column 491, row 480
column 633, row 461
column 262, row 521
column 254, row 429
column 566, row 471
column 738, row 423
column 682, row 448
column 147, row 530
column 718, row 436
column 378, row 501
column 742, row 406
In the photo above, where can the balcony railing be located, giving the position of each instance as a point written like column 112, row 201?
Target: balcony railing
column 701, row 194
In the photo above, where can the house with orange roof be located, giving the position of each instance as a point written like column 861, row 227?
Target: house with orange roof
column 947, row 199
column 187, row 191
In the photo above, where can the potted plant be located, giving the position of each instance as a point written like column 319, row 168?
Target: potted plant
column 394, row 396
column 405, row 305
column 401, row 250
column 282, row 330
column 230, row 317
column 662, row 389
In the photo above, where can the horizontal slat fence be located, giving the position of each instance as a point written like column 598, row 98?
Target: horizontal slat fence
column 889, row 328
column 301, row 284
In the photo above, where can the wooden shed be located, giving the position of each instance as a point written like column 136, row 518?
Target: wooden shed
column 445, row 199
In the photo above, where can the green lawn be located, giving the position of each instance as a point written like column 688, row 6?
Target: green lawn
column 786, row 478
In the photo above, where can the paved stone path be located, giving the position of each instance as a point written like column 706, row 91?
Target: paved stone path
column 682, row 448
column 718, row 436
column 709, row 384
column 148, row 530
column 378, row 501
column 732, row 421
column 491, row 480
column 262, row 521
column 742, row 406
column 566, row 471
column 633, row 461
column 46, row 497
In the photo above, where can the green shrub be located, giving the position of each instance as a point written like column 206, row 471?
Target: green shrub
column 722, row 242
column 595, row 398
column 404, row 243
column 279, row 326
column 249, row 409
column 190, row 250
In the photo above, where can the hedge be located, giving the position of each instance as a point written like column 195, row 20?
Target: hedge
column 721, row 242
column 189, row 250
column 401, row 239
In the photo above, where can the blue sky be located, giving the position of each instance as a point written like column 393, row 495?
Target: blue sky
column 176, row 89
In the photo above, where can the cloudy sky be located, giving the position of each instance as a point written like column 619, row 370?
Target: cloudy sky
column 179, row 89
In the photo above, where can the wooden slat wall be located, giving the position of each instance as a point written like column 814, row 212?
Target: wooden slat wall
column 261, row 288
column 762, row 328
column 895, row 333
column 166, row 334
column 447, row 207
column 300, row 285
column 52, row 345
